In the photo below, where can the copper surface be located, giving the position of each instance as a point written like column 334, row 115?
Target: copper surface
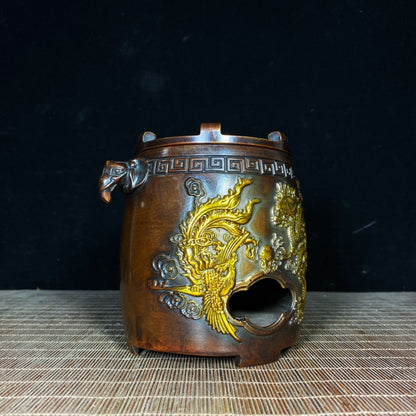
column 213, row 252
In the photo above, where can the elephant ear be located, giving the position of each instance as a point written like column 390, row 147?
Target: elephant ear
column 137, row 173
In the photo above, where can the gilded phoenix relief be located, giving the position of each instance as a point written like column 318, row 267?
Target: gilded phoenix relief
column 199, row 278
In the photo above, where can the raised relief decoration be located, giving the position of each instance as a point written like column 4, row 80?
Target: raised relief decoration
column 127, row 176
column 223, row 164
column 288, row 249
column 207, row 253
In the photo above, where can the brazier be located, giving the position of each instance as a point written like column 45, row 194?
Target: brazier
column 213, row 252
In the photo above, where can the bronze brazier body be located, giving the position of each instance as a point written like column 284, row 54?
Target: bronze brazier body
column 213, row 252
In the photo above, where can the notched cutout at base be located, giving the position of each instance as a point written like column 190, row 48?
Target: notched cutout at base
column 262, row 305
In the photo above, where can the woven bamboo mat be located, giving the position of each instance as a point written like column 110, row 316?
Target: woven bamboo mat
column 63, row 353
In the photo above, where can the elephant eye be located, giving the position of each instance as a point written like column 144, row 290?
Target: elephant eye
column 118, row 171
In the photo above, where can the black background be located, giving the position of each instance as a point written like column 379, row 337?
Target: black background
column 83, row 79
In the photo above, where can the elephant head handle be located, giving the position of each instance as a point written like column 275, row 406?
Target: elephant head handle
column 128, row 176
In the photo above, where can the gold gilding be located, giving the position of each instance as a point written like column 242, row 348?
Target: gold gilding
column 207, row 253
column 207, row 245
column 288, row 214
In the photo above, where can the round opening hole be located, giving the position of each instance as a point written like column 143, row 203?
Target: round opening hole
column 262, row 303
